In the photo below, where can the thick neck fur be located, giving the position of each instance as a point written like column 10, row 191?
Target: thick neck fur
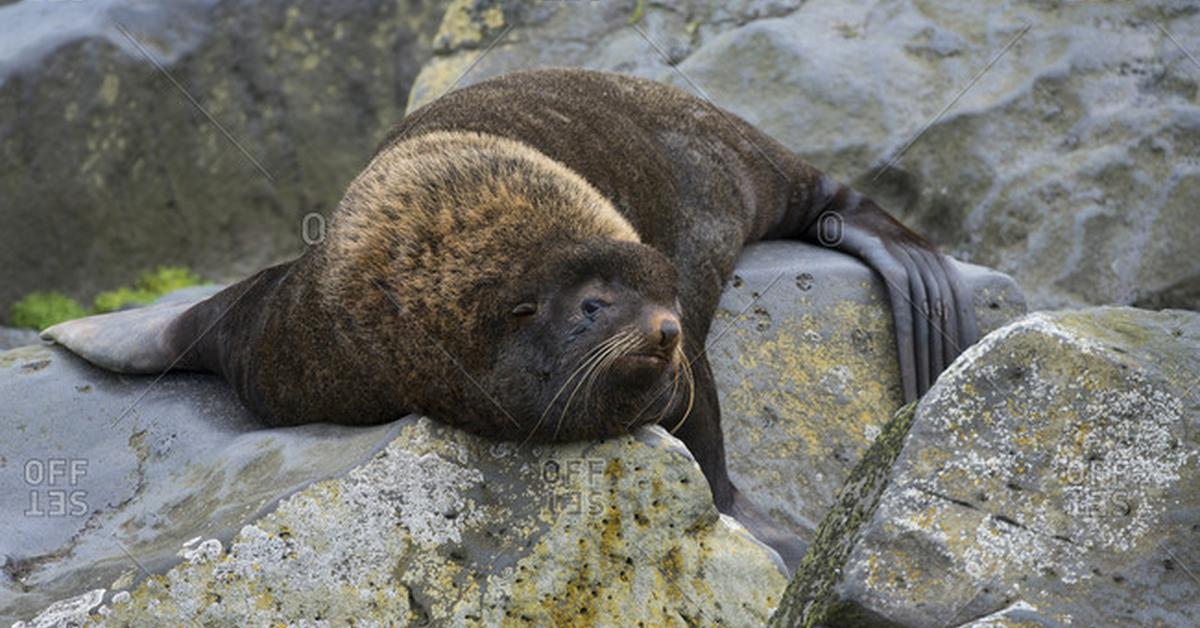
column 425, row 246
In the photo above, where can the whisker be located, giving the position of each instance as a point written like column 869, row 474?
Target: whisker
column 584, row 359
column 653, row 400
column 607, row 362
column 627, row 339
column 691, row 381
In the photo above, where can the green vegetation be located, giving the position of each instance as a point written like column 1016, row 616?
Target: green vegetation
column 39, row 310
column 146, row 289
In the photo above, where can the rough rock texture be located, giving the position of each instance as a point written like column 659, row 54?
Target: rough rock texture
column 91, row 494
column 445, row 528
column 805, row 360
column 1070, row 163
column 1051, row 476
column 107, row 169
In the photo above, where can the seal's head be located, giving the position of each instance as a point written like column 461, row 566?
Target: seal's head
column 503, row 293
column 594, row 342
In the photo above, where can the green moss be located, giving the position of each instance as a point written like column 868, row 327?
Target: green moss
column 166, row 279
column 39, row 310
column 150, row 286
column 113, row 300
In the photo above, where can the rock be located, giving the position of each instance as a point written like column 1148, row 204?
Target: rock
column 1068, row 164
column 804, row 355
column 109, row 169
column 102, row 475
column 13, row 337
column 445, row 528
column 438, row 525
column 1052, row 474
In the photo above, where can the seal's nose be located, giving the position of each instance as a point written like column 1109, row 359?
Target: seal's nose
column 664, row 330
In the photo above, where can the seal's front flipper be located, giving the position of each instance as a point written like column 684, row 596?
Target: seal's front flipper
column 135, row 341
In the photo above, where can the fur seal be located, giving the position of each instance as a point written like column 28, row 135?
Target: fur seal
column 538, row 256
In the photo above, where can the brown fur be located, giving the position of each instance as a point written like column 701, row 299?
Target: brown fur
column 524, row 229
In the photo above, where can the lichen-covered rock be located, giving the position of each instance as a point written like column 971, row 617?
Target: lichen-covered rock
column 446, row 528
column 103, row 475
column 1051, row 477
column 804, row 357
column 1070, row 163
column 109, row 169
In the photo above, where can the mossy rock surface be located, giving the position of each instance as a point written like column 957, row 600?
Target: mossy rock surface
column 804, row 356
column 1052, row 475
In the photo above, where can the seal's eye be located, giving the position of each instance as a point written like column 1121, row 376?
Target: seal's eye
column 591, row 306
column 525, row 309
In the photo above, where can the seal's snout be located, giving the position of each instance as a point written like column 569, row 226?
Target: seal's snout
column 665, row 332
column 662, row 330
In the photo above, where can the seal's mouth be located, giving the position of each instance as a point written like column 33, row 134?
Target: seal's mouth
column 644, row 359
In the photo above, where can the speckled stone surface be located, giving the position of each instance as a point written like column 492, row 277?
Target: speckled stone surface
column 1055, row 466
column 446, row 528
column 103, row 476
column 804, row 356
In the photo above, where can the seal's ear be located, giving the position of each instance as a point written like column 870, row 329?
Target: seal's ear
column 132, row 341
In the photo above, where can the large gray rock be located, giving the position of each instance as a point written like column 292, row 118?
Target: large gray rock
column 108, row 170
column 1051, row 477
column 804, row 355
column 450, row 529
column 1068, row 164
column 437, row 525
column 102, row 475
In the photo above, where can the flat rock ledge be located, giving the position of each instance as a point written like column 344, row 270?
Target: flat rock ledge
column 1050, row 478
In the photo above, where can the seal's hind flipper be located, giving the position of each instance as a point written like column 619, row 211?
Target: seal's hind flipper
column 131, row 341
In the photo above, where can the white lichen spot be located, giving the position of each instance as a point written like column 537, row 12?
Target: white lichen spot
column 425, row 493
column 202, row 553
column 72, row 611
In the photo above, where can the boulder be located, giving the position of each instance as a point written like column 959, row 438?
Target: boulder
column 1053, row 141
column 103, row 476
column 109, row 169
column 1051, row 477
column 804, row 355
column 419, row 521
column 445, row 528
